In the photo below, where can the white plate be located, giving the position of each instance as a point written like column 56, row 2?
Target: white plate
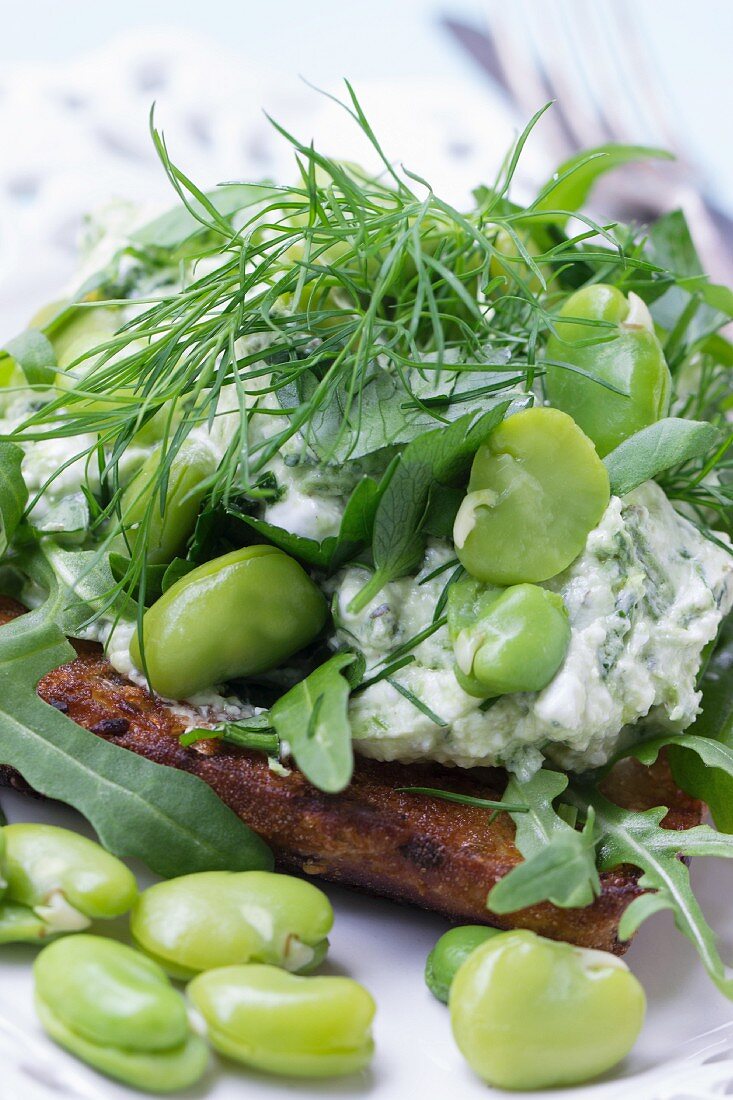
column 384, row 945
column 78, row 135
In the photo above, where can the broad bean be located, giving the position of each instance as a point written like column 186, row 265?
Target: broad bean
column 530, row 1013
column 284, row 1024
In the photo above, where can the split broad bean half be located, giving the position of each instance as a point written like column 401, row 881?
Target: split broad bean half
column 611, row 339
column 281, row 1023
column 56, row 881
column 530, row 1013
column 237, row 615
column 450, row 952
column 506, row 640
column 117, row 1010
column 220, row 918
column 536, row 491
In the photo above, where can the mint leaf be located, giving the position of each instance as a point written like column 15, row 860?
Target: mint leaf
column 13, row 493
column 435, row 459
column 168, row 818
column 648, row 453
column 559, row 862
column 313, row 718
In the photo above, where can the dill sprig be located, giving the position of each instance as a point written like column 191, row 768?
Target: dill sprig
column 308, row 296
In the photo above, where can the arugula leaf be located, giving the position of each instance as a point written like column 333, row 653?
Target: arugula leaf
column 168, row 818
column 313, row 718
column 34, row 354
column 573, row 181
column 637, row 838
column 667, row 443
column 436, row 458
column 559, row 862
column 80, row 584
column 13, row 493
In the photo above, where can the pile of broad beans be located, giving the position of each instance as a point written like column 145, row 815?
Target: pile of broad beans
column 525, row 1012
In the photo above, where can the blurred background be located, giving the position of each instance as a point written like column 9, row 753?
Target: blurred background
column 446, row 84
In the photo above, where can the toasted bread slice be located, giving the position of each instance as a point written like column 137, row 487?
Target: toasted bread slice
column 409, row 847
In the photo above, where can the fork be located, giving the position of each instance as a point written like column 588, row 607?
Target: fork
column 595, row 61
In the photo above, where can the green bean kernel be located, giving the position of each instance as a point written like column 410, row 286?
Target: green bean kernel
column 270, row 1020
column 506, row 641
column 220, row 918
column 537, row 489
column 530, row 1013
column 237, row 615
column 57, row 881
column 450, row 952
column 116, row 1010
column 616, row 347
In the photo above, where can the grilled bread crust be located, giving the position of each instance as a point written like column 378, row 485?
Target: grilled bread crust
column 411, row 848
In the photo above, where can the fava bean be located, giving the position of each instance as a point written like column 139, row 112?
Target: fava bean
column 58, row 881
column 281, row 1023
column 165, row 532
column 530, row 1013
column 537, row 489
column 506, row 641
column 450, row 952
column 234, row 616
column 116, row 1010
column 221, row 918
column 626, row 354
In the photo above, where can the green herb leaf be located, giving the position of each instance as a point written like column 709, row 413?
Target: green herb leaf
column 637, row 838
column 560, row 872
column 313, row 718
column 559, row 862
column 179, row 225
column 251, row 733
column 13, row 493
column 168, row 818
column 573, row 181
column 436, row 458
column 34, row 354
column 645, row 455
column 355, row 531
column 467, row 799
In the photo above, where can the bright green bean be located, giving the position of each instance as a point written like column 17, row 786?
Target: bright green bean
column 450, row 952
column 506, row 641
column 625, row 354
column 284, row 1024
column 115, row 1009
column 530, row 1013
column 234, row 616
column 537, row 489
column 58, row 881
column 220, row 918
